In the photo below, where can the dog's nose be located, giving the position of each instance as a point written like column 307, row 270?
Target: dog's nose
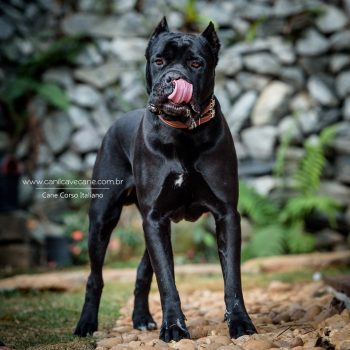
column 171, row 77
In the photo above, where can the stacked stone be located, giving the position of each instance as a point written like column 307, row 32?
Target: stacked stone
column 284, row 67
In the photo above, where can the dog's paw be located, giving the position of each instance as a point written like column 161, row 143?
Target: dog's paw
column 84, row 329
column 87, row 324
column 173, row 331
column 144, row 322
column 240, row 325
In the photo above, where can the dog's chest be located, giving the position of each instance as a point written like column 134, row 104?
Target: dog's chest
column 182, row 196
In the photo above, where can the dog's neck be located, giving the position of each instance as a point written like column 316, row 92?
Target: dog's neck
column 206, row 116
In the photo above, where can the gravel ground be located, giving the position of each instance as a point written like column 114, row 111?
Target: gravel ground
column 298, row 316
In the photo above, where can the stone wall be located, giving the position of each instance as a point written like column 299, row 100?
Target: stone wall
column 284, row 67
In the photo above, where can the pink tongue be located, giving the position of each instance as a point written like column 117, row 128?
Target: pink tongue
column 182, row 91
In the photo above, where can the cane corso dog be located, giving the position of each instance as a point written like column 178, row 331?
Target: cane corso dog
column 177, row 161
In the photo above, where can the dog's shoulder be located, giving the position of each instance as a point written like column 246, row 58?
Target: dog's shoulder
column 123, row 131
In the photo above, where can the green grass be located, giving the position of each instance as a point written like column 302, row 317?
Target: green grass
column 43, row 318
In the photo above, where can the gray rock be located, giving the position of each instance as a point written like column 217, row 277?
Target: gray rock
column 57, row 130
column 130, row 25
column 240, row 25
column 332, row 19
column 308, row 121
column 241, row 110
column 233, row 88
column 264, row 185
column 71, row 161
column 346, row 109
column 5, row 142
column 133, row 88
column 293, row 76
column 6, row 29
column 286, row 8
column 255, row 167
column 175, row 20
column 341, row 40
column 260, row 141
column 243, row 48
column 262, row 63
column 253, row 11
column 272, row 27
column 61, row 76
column 339, row 62
column 289, row 126
column 250, row 81
column 342, row 168
column 89, row 160
column 321, row 92
column 314, row 65
column 100, row 77
column 102, row 119
column 79, row 23
column 85, row 95
column 86, row 5
column 45, row 155
column 282, row 49
column 25, row 191
column 271, row 104
column 130, row 50
column 343, row 83
column 312, row 44
column 347, row 6
column 86, row 140
column 335, row 190
column 124, row 6
column 301, row 102
column 79, row 117
column 224, row 98
column 341, row 141
column 22, row 147
column 90, row 56
column 31, row 12
column 328, row 117
column 229, row 63
column 222, row 15
column 328, row 238
column 240, row 149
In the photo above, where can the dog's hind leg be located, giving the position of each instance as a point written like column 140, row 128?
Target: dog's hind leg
column 101, row 225
column 141, row 316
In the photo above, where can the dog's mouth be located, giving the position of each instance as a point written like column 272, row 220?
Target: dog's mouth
column 174, row 100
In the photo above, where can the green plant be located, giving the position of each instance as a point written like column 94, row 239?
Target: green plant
column 279, row 225
column 251, row 33
column 192, row 17
column 26, row 82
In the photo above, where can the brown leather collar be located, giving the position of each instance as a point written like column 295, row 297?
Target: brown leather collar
column 208, row 114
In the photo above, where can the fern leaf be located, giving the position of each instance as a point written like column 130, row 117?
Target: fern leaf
column 298, row 241
column 267, row 241
column 257, row 207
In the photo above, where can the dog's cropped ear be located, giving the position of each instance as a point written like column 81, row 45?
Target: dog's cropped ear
column 210, row 35
column 162, row 27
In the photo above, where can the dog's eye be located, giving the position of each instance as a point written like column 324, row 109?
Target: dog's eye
column 195, row 64
column 159, row 61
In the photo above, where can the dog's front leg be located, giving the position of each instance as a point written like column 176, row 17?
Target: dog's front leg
column 228, row 231
column 159, row 248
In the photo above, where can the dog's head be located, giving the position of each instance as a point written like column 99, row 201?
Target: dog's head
column 180, row 71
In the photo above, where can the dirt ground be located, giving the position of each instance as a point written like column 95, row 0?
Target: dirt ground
column 298, row 316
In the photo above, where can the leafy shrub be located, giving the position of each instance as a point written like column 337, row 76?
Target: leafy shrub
column 279, row 225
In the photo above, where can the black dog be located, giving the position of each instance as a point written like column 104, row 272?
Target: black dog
column 178, row 161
